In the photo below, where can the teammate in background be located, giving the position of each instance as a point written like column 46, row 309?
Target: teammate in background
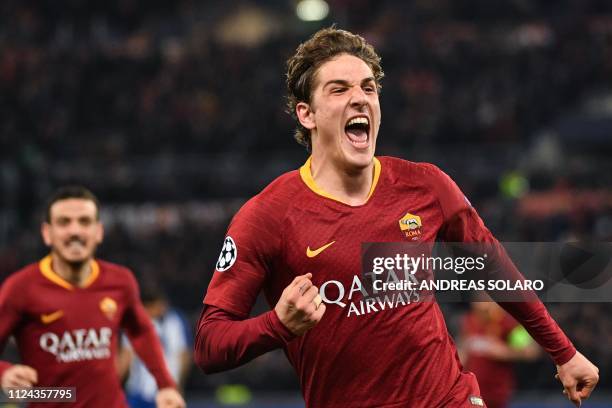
column 175, row 338
column 66, row 312
column 299, row 241
column 490, row 343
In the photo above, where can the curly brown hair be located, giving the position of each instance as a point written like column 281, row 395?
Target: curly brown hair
column 302, row 67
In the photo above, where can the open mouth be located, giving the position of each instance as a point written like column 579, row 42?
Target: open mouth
column 75, row 243
column 357, row 129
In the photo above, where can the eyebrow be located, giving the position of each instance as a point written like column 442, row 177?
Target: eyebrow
column 70, row 217
column 346, row 83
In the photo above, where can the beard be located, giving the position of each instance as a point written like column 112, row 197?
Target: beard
column 74, row 263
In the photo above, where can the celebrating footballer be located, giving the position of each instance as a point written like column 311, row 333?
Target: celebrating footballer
column 304, row 232
column 66, row 312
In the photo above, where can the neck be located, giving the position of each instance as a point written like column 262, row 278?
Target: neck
column 351, row 186
column 76, row 273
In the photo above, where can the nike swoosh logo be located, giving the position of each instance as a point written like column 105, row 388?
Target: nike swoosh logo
column 311, row 254
column 51, row 317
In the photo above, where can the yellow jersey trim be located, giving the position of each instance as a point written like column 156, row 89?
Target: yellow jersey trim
column 48, row 272
column 307, row 178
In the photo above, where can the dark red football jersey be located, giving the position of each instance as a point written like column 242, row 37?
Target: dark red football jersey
column 69, row 334
column 496, row 378
column 360, row 354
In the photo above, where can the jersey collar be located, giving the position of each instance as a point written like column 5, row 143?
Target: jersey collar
column 48, row 272
column 306, row 175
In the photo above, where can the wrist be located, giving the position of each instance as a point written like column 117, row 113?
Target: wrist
column 278, row 328
column 565, row 357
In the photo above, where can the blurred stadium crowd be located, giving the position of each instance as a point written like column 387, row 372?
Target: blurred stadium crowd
column 173, row 113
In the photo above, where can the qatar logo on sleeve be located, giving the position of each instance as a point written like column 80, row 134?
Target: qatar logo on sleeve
column 228, row 255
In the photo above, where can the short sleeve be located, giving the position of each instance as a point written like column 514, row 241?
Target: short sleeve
column 251, row 243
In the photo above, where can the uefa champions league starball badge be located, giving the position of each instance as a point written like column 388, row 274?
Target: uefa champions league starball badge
column 228, row 255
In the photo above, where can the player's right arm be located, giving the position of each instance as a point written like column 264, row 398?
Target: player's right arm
column 225, row 341
column 226, row 337
column 17, row 375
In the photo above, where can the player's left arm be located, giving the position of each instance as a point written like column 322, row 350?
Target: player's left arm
column 579, row 377
column 146, row 344
column 462, row 224
column 577, row 374
column 517, row 347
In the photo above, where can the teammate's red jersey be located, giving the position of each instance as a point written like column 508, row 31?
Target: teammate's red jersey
column 69, row 334
column 495, row 377
column 360, row 354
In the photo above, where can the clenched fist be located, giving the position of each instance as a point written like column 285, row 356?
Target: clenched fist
column 300, row 306
column 19, row 375
column 169, row 398
column 579, row 377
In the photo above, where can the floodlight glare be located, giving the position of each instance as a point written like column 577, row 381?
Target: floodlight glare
column 312, row 10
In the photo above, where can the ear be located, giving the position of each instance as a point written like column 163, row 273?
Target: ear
column 305, row 115
column 45, row 231
column 99, row 232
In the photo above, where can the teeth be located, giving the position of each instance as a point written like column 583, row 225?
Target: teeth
column 355, row 121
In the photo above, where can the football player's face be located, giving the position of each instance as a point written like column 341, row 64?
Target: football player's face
column 344, row 113
column 74, row 230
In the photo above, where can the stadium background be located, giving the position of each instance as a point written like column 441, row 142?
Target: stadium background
column 173, row 114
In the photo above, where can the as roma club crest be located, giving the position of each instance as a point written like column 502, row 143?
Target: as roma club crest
column 109, row 307
column 410, row 225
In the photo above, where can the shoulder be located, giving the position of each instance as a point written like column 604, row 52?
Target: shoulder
column 112, row 272
column 113, row 268
column 24, row 276
column 273, row 201
column 280, row 193
column 411, row 174
column 16, row 288
column 401, row 168
column 428, row 177
column 257, row 227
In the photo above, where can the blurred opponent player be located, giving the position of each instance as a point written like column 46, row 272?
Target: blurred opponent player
column 66, row 312
column 304, row 232
column 175, row 336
